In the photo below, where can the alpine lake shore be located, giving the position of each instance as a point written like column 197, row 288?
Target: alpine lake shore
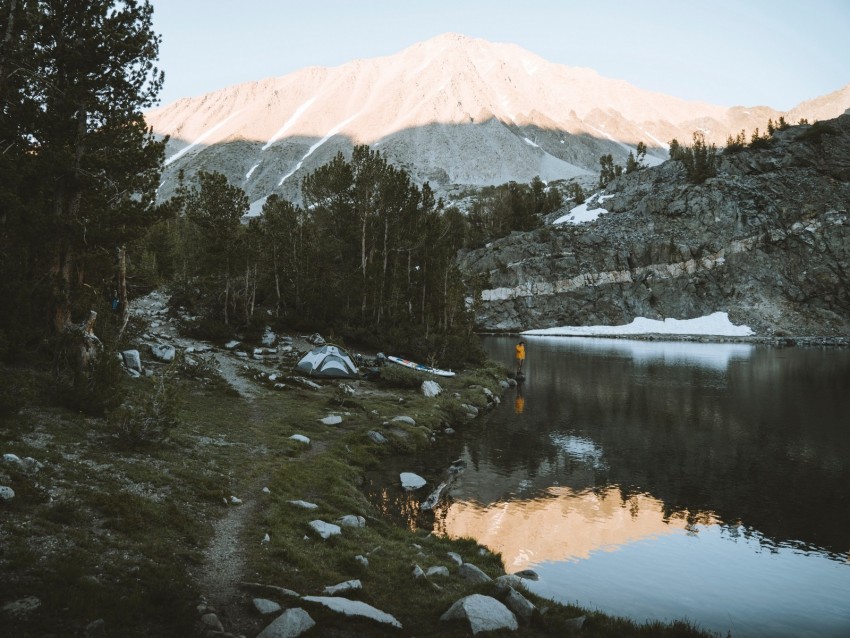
column 250, row 509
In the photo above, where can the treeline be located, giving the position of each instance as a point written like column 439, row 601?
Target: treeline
column 370, row 257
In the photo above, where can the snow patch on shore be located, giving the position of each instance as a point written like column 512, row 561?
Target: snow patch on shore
column 715, row 324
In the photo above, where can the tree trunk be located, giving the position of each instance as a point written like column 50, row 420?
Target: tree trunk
column 123, row 304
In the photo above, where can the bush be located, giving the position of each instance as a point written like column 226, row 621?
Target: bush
column 150, row 414
column 96, row 390
column 396, row 376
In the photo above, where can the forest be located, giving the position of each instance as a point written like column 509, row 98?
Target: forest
column 368, row 259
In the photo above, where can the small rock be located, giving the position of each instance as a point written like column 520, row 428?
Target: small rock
column 362, row 560
column 300, row 438
column 230, row 345
column 575, row 624
column 290, row 624
column 473, row 574
column 6, row 493
column 411, row 481
column 376, row 437
column 212, row 621
column 269, row 337
column 438, row 570
column 21, row 607
column 332, row 419
column 132, row 360
column 265, row 607
column 325, row 530
column 404, row 419
column 235, row 501
column 528, row 574
column 349, row 585
column 304, row 505
column 163, row 352
column 266, row 490
column 350, row 520
column 418, row 572
column 455, row 557
column 267, row 538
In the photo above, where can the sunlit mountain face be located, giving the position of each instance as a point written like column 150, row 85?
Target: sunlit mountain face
column 452, row 111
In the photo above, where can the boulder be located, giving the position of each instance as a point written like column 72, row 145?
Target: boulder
column 431, row 389
column 483, row 613
column 404, row 419
column 6, row 493
column 438, row 570
column 456, row 558
column 269, row 337
column 354, row 608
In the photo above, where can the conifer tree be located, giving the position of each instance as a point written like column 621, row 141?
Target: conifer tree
column 79, row 167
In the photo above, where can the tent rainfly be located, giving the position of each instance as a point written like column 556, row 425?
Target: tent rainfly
column 327, row 361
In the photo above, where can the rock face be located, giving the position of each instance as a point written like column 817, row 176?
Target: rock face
column 767, row 240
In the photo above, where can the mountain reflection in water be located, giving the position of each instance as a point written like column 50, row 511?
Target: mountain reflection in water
column 661, row 481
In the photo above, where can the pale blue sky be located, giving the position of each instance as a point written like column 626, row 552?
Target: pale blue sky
column 776, row 53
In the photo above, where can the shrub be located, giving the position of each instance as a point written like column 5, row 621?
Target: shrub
column 396, row 376
column 150, row 414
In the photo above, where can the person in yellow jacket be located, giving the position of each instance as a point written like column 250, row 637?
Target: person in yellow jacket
column 520, row 356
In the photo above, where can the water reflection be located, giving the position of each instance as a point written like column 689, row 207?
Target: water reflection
column 663, row 480
column 562, row 524
column 715, row 356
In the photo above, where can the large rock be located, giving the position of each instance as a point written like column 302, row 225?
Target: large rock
column 483, row 613
column 431, row 389
column 6, row 493
column 354, row 608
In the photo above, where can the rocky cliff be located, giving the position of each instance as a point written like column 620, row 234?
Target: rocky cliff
column 767, row 240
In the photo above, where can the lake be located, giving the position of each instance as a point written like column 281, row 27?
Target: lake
column 660, row 480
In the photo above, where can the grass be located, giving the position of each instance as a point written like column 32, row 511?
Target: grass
column 107, row 531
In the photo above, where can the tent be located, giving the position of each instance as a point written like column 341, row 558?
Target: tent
column 327, row 361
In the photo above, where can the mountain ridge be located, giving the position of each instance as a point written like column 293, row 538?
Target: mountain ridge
column 448, row 110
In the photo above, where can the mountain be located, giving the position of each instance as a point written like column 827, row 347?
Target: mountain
column 766, row 240
column 451, row 110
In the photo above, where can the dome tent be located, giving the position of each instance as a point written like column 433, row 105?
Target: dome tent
column 327, row 361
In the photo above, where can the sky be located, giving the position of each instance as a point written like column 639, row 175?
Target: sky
column 775, row 53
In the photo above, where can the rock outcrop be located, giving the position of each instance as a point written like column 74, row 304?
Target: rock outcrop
column 767, row 240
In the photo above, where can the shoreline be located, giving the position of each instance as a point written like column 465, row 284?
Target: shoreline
column 780, row 341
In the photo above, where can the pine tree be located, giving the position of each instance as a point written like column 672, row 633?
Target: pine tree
column 79, row 167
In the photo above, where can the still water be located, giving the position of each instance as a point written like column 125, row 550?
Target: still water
column 661, row 480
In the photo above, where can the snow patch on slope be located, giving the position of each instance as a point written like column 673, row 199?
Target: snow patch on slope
column 201, row 138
